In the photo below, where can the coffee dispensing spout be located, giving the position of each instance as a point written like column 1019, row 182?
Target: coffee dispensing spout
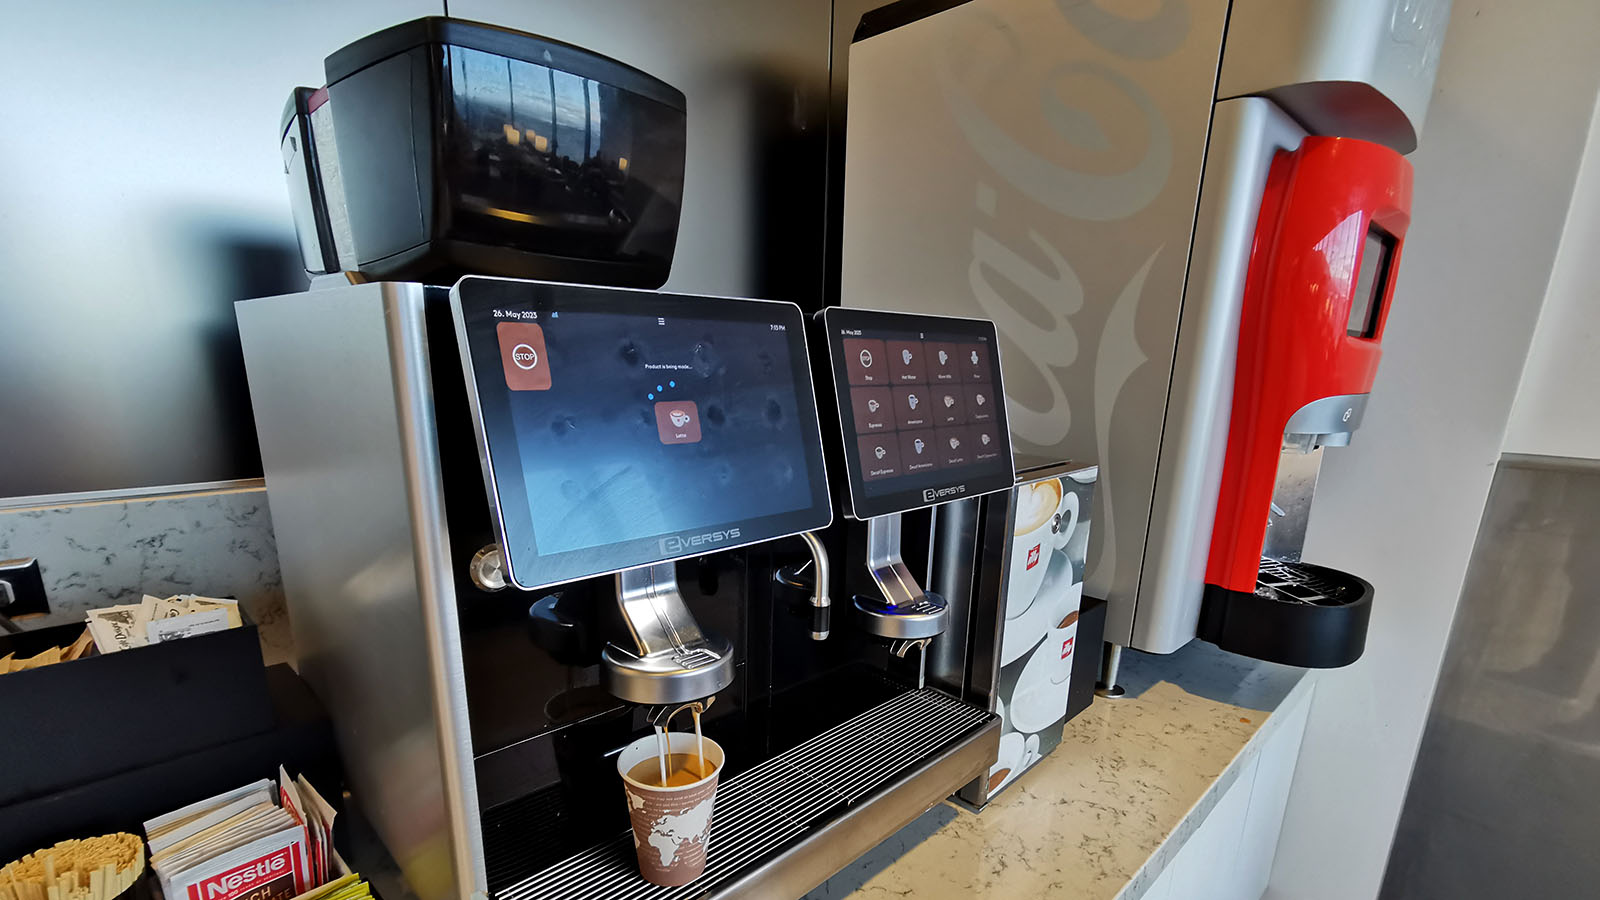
column 901, row 610
column 672, row 661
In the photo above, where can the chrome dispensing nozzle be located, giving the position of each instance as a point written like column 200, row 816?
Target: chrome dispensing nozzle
column 816, row 581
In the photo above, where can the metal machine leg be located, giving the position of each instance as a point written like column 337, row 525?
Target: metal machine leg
column 1110, row 662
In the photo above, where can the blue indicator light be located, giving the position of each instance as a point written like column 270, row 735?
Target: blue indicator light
column 672, row 384
column 649, row 396
column 660, row 388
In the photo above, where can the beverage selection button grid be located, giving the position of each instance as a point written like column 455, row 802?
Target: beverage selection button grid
column 920, row 406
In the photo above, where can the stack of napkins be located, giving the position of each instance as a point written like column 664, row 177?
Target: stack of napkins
column 262, row 841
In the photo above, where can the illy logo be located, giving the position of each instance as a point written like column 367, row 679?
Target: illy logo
column 1033, row 556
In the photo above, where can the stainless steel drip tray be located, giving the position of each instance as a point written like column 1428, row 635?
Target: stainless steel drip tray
column 786, row 825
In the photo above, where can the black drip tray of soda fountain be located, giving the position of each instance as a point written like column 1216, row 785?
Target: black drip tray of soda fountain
column 1299, row 615
column 777, row 826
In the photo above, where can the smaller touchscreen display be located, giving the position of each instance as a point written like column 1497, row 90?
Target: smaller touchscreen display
column 622, row 428
column 1371, row 279
column 921, row 408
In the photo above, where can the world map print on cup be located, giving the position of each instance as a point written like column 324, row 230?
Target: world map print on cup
column 672, row 823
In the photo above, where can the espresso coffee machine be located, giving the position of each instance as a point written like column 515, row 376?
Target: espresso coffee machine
column 519, row 522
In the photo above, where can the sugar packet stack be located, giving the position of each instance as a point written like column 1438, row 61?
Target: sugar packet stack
column 264, row 841
column 155, row 620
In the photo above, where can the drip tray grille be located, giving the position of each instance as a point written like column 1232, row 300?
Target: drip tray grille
column 775, row 802
column 1290, row 582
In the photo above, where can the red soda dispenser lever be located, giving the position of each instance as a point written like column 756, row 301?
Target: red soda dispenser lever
column 1327, row 244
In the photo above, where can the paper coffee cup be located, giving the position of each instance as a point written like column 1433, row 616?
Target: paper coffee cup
column 671, row 826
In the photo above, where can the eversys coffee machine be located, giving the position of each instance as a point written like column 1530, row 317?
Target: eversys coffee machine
column 521, row 520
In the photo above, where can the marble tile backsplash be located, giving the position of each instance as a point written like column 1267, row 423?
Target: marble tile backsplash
column 214, row 543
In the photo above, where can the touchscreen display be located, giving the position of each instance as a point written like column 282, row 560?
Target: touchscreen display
column 1370, row 282
column 623, row 428
column 921, row 408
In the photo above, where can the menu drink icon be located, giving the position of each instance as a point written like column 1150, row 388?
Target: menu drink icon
column 679, row 417
column 866, row 359
column 919, row 445
column 985, row 438
column 873, row 405
column 944, row 358
column 978, row 398
column 954, row 443
column 905, row 357
column 949, row 401
column 912, row 401
column 879, row 452
column 974, row 357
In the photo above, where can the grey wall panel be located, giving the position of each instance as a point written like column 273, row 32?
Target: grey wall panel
column 1502, row 798
column 143, row 193
column 756, row 77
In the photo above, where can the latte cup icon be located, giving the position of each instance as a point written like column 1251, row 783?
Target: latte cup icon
column 679, row 418
column 1046, row 517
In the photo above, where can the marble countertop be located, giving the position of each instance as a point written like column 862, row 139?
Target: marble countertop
column 1092, row 820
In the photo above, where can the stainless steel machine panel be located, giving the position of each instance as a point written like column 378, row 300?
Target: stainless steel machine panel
column 339, row 382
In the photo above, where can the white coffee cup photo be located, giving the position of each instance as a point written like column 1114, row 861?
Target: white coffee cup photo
column 1045, row 518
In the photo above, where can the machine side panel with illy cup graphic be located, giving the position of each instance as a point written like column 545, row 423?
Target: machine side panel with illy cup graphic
column 522, row 522
column 1093, row 182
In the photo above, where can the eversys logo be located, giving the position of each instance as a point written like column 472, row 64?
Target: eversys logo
column 932, row 494
column 683, row 543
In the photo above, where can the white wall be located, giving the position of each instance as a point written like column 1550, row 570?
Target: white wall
column 1401, row 505
column 1557, row 411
